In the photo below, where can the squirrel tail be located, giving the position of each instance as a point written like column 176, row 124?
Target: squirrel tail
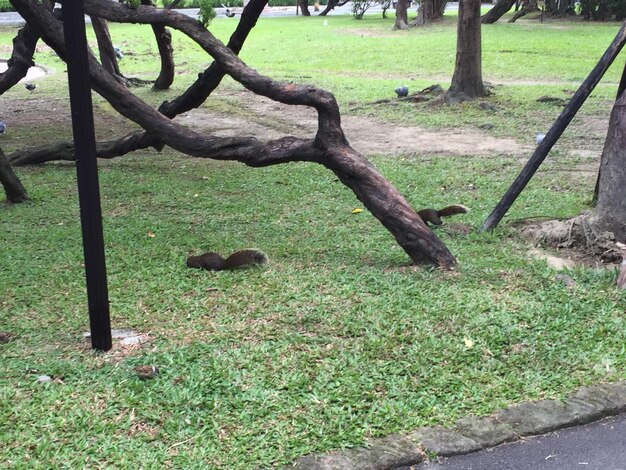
column 453, row 210
column 244, row 258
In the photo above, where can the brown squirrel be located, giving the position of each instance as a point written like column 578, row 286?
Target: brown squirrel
column 434, row 216
column 214, row 262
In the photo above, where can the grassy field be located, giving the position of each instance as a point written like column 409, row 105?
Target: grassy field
column 338, row 339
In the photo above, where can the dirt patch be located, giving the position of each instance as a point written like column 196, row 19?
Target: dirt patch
column 577, row 242
column 266, row 119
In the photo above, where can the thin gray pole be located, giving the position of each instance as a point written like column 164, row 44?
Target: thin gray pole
column 87, row 173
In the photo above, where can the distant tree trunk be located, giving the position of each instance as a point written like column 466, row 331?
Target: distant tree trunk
column 467, row 81
column 527, row 7
column 610, row 213
column 499, row 9
column 329, row 147
column 563, row 7
column 402, row 19
column 430, row 10
column 332, row 4
column 304, row 7
column 13, row 187
column 164, row 43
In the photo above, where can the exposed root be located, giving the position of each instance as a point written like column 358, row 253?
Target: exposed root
column 578, row 234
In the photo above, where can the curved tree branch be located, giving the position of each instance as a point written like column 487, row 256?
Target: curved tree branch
column 329, row 147
column 21, row 58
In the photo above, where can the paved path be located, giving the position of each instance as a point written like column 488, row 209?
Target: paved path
column 595, row 446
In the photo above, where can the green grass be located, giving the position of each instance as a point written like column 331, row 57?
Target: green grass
column 338, row 338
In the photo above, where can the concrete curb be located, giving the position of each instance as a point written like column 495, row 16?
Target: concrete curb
column 472, row 434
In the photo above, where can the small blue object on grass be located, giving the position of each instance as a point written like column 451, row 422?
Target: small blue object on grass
column 3, row 127
column 402, row 91
column 118, row 53
column 539, row 138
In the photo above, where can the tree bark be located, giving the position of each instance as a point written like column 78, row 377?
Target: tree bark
column 430, row 10
column 402, row 19
column 610, row 213
column 467, row 81
column 329, row 147
column 332, row 4
column 528, row 7
column 499, row 9
column 166, row 52
column 12, row 185
column 105, row 46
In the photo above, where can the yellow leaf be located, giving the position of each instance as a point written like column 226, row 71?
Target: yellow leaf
column 151, row 234
column 357, row 211
column 468, row 343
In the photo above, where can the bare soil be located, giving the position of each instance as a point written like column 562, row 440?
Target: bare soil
column 265, row 119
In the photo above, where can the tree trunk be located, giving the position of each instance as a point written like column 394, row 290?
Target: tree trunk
column 304, row 7
column 13, row 187
column 467, row 81
column 499, row 9
column 528, row 6
column 164, row 42
column 402, row 20
column 429, row 10
column 105, row 46
column 610, row 213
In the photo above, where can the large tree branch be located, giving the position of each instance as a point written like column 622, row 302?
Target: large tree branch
column 21, row 58
column 329, row 147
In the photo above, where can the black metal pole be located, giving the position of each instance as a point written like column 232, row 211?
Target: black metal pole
column 87, row 173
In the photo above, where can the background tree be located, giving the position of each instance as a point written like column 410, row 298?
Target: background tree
column 610, row 212
column 467, row 81
column 430, row 10
column 402, row 20
column 499, row 9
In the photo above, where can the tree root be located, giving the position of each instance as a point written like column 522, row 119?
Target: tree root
column 579, row 234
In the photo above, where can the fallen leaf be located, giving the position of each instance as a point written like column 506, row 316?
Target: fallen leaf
column 357, row 211
column 151, row 234
column 468, row 343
